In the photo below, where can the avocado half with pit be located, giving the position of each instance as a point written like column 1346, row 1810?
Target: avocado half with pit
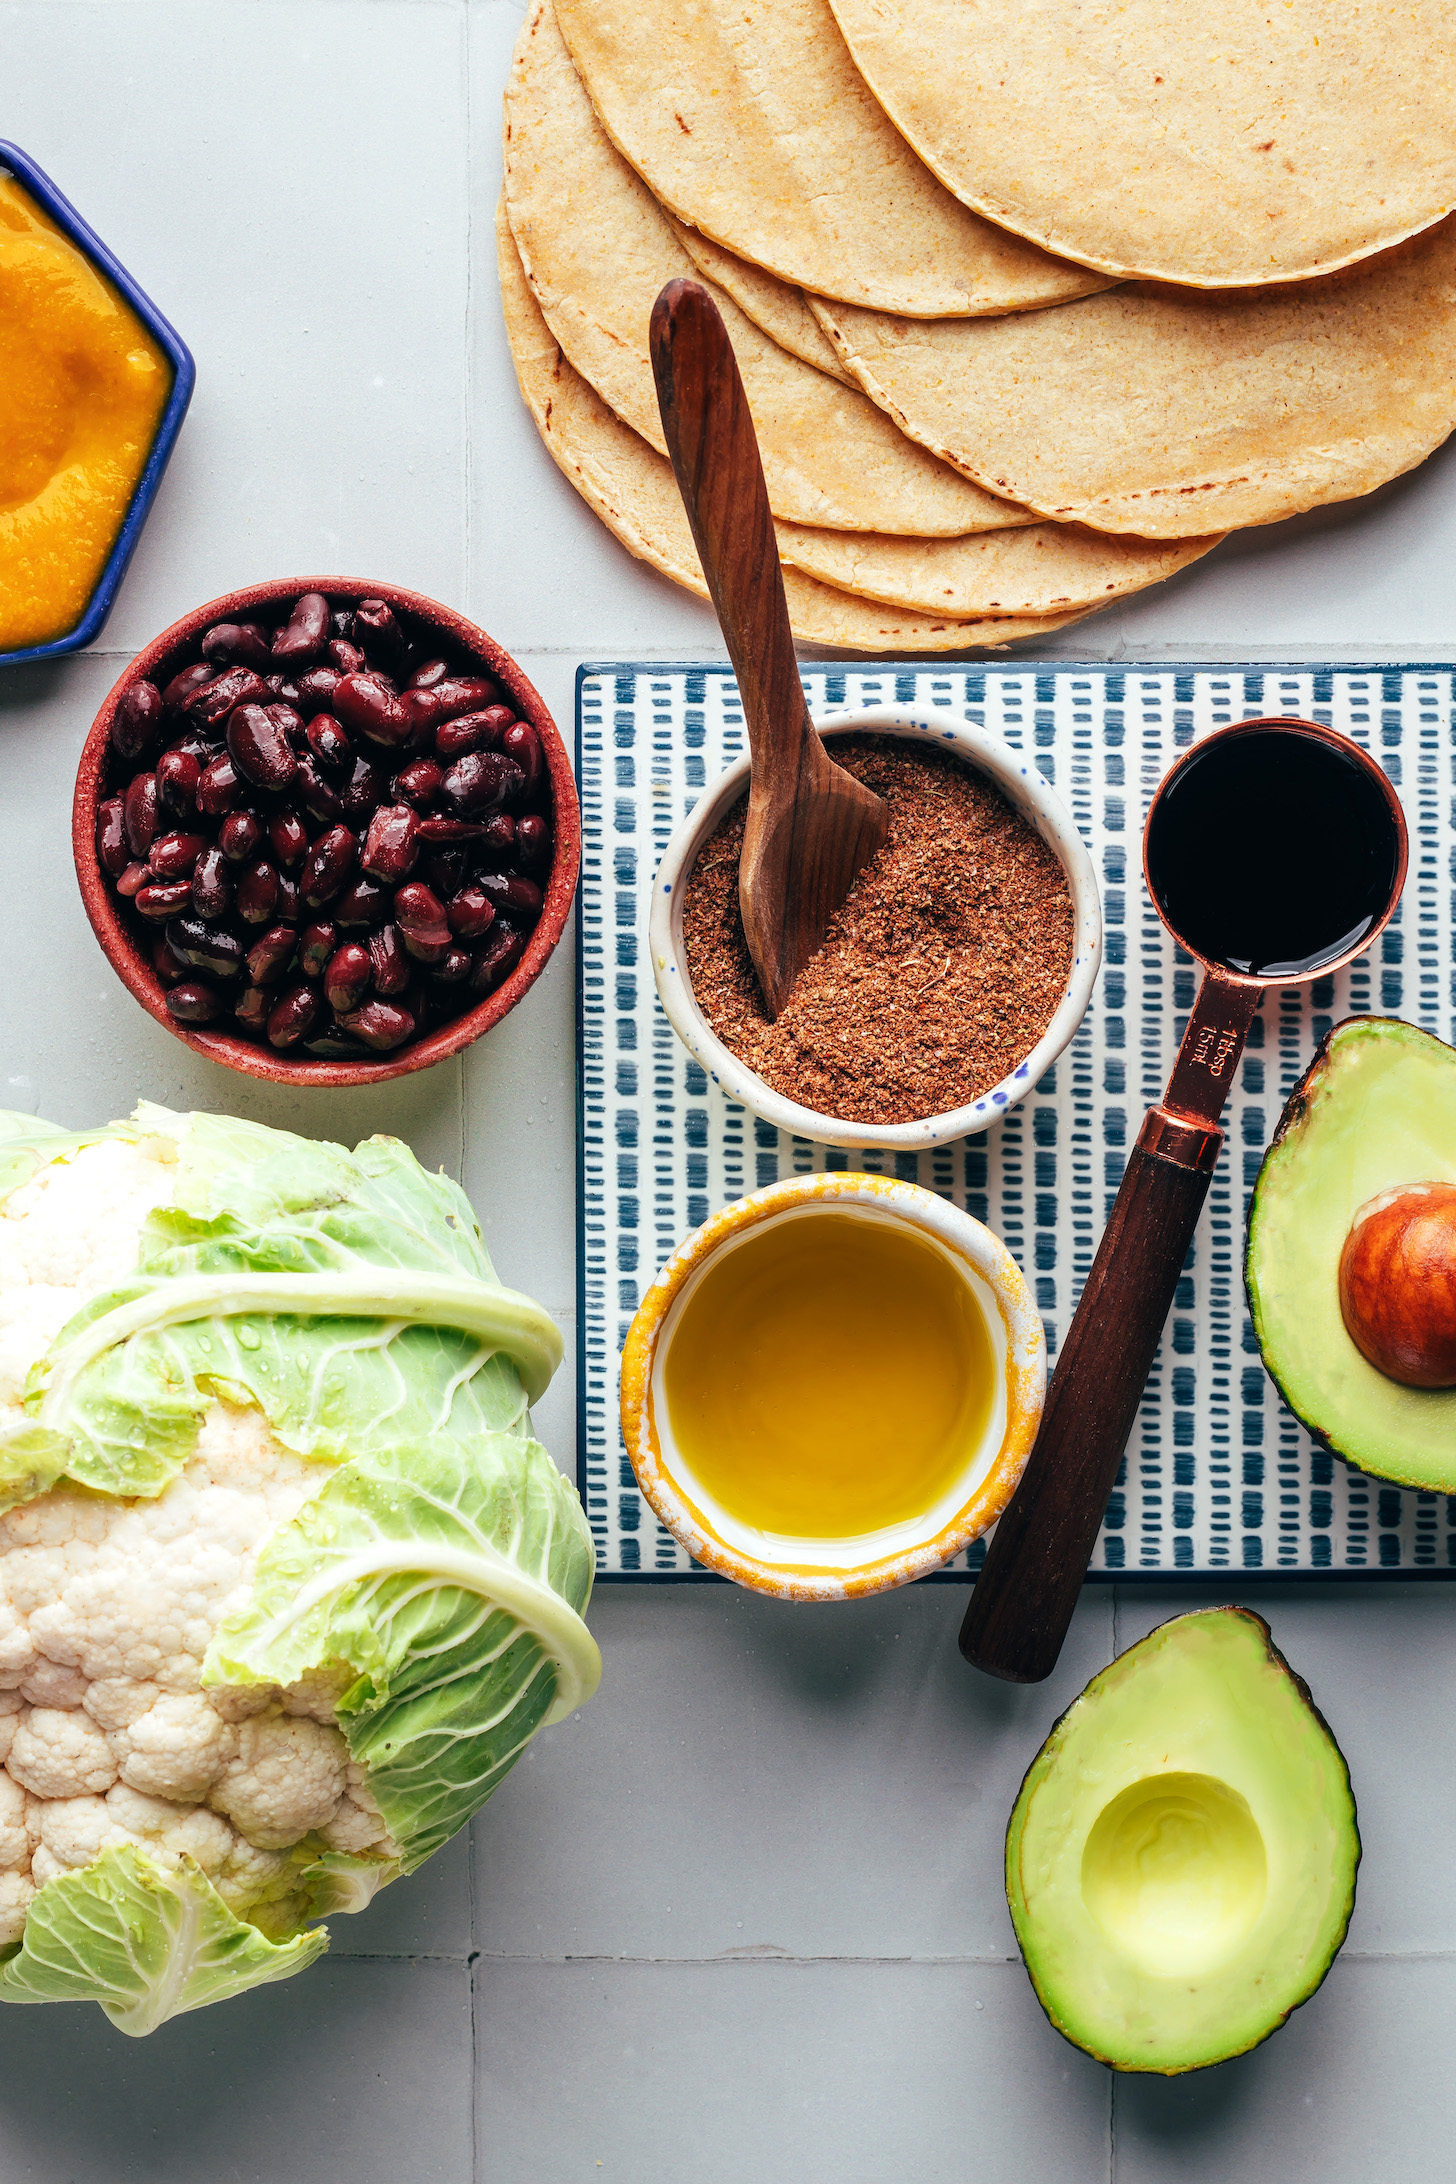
column 1180, row 1863
column 1366, row 1143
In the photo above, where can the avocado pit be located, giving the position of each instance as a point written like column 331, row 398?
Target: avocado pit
column 1398, row 1284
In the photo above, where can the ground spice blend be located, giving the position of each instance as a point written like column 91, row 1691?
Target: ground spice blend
column 941, row 971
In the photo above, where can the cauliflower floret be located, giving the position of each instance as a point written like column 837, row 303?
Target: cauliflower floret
column 288, row 1777
column 74, row 1830
column 252, row 1876
column 45, row 1866
column 12, row 1710
column 318, row 1693
column 167, row 1833
column 240, row 1702
column 58, row 1754
column 176, row 1749
column 14, row 1841
column 116, row 1702
column 16, row 1893
column 49, row 1684
column 358, row 1823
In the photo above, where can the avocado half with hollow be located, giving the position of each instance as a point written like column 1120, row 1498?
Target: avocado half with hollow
column 1357, row 1174
column 1180, row 1863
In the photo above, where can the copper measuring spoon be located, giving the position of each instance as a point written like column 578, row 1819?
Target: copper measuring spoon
column 1028, row 1585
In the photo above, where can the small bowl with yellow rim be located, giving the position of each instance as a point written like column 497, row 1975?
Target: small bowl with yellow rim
column 832, row 1386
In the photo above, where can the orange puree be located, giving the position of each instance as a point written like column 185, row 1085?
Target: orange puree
column 84, row 391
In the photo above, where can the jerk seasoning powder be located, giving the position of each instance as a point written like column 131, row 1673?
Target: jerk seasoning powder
column 941, row 971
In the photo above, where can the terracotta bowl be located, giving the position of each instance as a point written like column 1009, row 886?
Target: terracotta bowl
column 158, row 663
column 836, row 1568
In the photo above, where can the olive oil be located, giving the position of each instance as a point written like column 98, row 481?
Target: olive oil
column 831, row 1375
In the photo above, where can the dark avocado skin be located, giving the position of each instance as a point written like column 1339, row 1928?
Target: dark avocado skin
column 1294, row 1113
column 1248, row 1615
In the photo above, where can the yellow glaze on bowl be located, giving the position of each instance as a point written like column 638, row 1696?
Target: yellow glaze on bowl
column 799, row 1565
column 83, row 387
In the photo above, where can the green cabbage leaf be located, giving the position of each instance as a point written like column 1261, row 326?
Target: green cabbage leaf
column 146, row 1942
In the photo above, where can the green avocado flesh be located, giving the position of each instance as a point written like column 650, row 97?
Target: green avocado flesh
column 1180, row 1864
column 1376, row 1110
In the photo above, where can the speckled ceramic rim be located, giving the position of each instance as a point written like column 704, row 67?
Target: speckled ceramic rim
column 1025, row 1387
column 1016, row 775
column 161, row 660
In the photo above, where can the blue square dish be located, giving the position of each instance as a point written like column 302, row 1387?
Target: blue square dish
column 184, row 372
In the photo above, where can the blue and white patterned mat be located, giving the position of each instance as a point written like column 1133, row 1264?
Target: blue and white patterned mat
column 1218, row 1475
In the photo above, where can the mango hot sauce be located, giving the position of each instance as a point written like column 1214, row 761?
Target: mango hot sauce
column 84, row 391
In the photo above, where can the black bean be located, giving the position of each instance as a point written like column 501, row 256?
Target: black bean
column 382, row 1025
column 346, row 656
column 172, row 856
column 471, row 913
column 211, row 704
column 239, row 836
column 194, row 1003
column 318, row 797
column 168, row 966
column 288, row 909
column 293, row 1016
column 251, row 1010
column 418, row 783
column 270, row 957
column 130, row 882
column 212, row 885
column 519, row 899
column 317, row 687
column 454, row 965
column 258, row 892
column 316, row 945
column 362, row 793
column 428, row 674
column 447, row 870
column 112, row 848
column 331, row 749
column 162, row 902
column 136, row 725
column 521, row 743
column 420, row 916
column 391, row 964
column 139, row 812
column 533, row 845
column 341, row 623
column 496, row 960
column 367, row 705
column 303, row 636
column 236, row 644
column 366, row 902
column 346, row 977
column 287, row 838
column 205, row 947
column 376, row 629
column 327, row 866
column 481, row 782
column 178, row 773
column 217, row 787
column 259, row 748
column 391, row 845
column 181, row 687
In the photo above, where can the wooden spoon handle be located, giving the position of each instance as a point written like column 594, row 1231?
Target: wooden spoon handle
column 714, row 450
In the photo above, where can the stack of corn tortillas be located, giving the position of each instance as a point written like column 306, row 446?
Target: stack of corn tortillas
column 968, row 440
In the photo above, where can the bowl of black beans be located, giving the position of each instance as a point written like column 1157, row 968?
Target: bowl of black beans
column 326, row 831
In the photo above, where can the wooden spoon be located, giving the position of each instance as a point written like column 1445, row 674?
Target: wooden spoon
column 811, row 826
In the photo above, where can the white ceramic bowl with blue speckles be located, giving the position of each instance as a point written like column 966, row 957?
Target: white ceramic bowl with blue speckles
column 1016, row 775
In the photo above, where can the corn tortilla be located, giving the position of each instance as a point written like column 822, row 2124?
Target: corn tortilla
column 1048, row 570
column 750, row 121
column 777, row 308
column 632, row 489
column 1171, row 413
column 1221, row 146
column 597, row 248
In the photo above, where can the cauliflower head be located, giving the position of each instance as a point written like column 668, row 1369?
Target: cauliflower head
column 285, row 1583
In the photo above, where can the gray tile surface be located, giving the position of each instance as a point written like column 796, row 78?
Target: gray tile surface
column 306, row 187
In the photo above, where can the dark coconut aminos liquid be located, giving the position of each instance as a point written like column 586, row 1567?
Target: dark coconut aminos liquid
column 1272, row 853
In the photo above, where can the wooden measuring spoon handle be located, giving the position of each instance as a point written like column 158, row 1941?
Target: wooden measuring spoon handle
column 714, row 450
column 1038, row 1556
